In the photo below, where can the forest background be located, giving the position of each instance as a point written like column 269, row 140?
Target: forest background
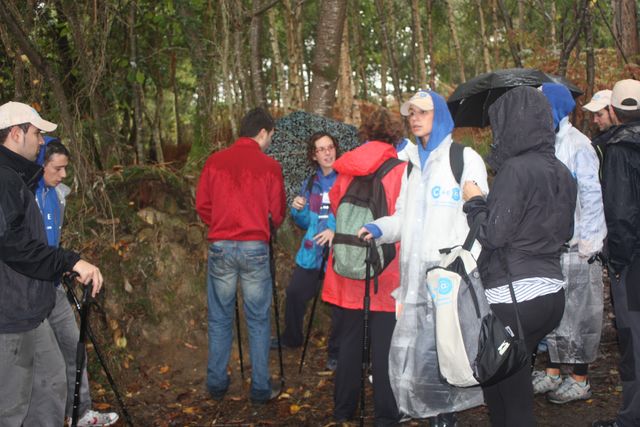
column 145, row 90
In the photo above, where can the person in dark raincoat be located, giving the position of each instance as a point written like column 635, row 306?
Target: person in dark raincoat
column 525, row 221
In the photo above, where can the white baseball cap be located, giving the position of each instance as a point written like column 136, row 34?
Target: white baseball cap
column 422, row 100
column 626, row 95
column 17, row 113
column 600, row 100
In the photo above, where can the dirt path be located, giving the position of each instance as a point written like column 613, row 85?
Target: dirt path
column 166, row 388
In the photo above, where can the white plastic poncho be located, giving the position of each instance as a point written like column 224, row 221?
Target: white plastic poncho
column 428, row 217
column 577, row 338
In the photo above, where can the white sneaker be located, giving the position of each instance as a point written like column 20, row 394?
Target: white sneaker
column 543, row 383
column 569, row 391
column 95, row 418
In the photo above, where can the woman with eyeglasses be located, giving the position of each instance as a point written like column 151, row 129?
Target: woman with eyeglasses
column 428, row 218
column 310, row 211
column 380, row 131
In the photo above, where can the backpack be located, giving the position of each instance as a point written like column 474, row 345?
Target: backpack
column 459, row 306
column 363, row 202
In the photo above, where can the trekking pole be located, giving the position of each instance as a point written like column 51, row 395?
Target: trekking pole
column 272, row 267
column 67, row 281
column 365, row 329
column 325, row 254
column 80, row 352
column 239, row 339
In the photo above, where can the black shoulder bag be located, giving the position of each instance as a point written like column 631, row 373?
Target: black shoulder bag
column 501, row 353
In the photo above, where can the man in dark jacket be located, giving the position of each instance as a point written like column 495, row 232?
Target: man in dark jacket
column 33, row 387
column 240, row 190
column 621, row 196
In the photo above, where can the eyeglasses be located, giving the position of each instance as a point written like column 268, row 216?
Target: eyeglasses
column 321, row 150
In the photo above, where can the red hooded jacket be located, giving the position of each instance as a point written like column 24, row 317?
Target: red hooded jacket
column 364, row 160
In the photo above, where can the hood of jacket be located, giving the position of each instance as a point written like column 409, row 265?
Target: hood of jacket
column 40, row 159
column 366, row 159
column 626, row 133
column 560, row 99
column 441, row 128
column 521, row 121
column 28, row 171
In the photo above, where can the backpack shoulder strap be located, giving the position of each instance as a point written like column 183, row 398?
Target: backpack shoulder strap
column 386, row 167
column 310, row 180
column 456, row 160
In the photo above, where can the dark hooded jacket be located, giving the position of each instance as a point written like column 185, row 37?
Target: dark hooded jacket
column 621, row 194
column 528, row 215
column 27, row 264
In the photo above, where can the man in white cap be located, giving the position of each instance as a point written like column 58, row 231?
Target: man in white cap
column 621, row 196
column 599, row 106
column 33, row 387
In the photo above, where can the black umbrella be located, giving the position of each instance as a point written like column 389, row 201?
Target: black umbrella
column 469, row 103
column 289, row 144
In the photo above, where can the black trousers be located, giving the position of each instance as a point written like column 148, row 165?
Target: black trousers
column 304, row 285
column 347, row 381
column 510, row 401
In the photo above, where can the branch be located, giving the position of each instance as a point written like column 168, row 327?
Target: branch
column 263, row 9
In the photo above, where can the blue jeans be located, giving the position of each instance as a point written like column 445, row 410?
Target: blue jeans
column 247, row 261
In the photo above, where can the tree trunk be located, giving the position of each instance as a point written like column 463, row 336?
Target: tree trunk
column 255, row 30
column 521, row 23
column 514, row 46
column 456, row 42
column 226, row 74
column 417, row 30
column 382, row 15
column 496, row 33
column 294, row 51
column 138, row 103
column 485, row 41
column 278, row 66
column 625, row 24
column 432, row 57
column 345, row 100
column 552, row 26
column 591, row 62
column 326, row 56
column 568, row 45
column 361, row 58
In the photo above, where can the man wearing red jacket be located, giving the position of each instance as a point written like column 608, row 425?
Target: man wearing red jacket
column 240, row 190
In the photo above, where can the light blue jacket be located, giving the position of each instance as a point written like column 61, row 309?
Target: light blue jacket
column 315, row 217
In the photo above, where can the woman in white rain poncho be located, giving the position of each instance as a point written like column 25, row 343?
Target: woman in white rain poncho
column 576, row 340
column 428, row 218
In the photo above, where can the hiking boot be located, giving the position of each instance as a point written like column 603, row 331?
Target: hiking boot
column 543, row 383
column 332, row 365
column 605, row 423
column 570, row 390
column 276, row 389
column 95, row 418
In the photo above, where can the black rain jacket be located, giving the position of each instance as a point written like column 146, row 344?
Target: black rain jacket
column 528, row 215
column 621, row 194
column 28, row 266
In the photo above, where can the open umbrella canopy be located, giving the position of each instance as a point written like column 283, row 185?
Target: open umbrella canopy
column 469, row 104
column 289, row 144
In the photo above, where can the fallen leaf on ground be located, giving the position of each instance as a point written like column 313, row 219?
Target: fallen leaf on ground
column 101, row 406
column 164, row 369
column 294, row 409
